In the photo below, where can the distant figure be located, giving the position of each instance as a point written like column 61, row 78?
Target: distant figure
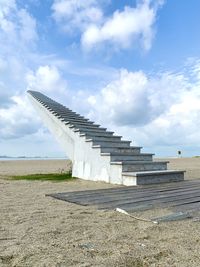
column 179, row 153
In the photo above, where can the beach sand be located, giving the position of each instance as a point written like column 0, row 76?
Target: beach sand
column 40, row 231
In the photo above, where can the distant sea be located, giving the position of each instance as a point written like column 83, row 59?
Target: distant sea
column 27, row 158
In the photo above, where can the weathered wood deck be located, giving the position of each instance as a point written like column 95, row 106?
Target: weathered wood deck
column 181, row 196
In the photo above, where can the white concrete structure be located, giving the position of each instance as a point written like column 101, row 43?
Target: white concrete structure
column 96, row 153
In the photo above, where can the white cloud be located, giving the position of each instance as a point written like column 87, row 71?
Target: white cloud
column 195, row 71
column 27, row 29
column 18, row 119
column 5, row 7
column 46, row 79
column 124, row 27
column 17, row 26
column 17, row 116
column 76, row 13
column 18, row 33
column 153, row 111
column 136, row 99
column 4, row 96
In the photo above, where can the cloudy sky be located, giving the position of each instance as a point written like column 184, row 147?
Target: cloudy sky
column 133, row 66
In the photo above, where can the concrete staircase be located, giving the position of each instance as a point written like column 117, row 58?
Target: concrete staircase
column 98, row 154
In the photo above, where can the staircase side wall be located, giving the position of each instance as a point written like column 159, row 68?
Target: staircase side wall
column 87, row 162
column 90, row 165
column 56, row 127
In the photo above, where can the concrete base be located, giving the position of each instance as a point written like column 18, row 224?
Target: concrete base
column 152, row 177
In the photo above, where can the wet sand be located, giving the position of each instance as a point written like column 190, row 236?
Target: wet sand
column 41, row 231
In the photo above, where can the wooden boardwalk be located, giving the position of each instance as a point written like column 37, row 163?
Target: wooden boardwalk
column 180, row 196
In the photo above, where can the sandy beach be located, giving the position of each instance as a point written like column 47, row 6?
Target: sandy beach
column 40, row 231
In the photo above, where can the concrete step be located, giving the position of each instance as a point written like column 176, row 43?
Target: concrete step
column 57, row 107
column 72, row 117
column 136, row 166
column 103, row 138
column 86, row 129
column 109, row 143
column 98, row 134
column 81, row 126
column 76, row 120
column 50, row 108
column 84, row 124
column 152, row 177
column 127, row 157
column 65, row 113
column 60, row 107
column 110, row 149
column 54, row 103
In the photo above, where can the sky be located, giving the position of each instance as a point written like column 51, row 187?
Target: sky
column 132, row 66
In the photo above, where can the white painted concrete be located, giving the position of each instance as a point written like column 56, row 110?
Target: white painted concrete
column 87, row 162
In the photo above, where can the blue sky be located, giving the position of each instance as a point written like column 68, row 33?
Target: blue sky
column 133, row 66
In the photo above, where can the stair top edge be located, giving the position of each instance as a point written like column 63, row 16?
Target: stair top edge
column 83, row 125
column 89, row 135
column 143, row 173
column 77, row 128
column 108, row 141
column 129, row 148
column 84, row 130
column 87, row 123
column 64, row 112
column 123, row 154
column 136, row 161
column 75, row 120
column 69, row 122
column 71, row 118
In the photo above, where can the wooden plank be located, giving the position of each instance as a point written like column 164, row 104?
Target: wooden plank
column 154, row 201
column 131, row 207
column 125, row 194
column 170, row 201
column 189, row 207
column 146, row 188
column 180, row 196
column 110, row 198
column 133, row 198
column 64, row 198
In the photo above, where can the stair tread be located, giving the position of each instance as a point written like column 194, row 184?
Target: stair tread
column 72, row 123
column 93, row 130
column 143, row 173
column 87, row 128
column 108, row 141
column 128, row 148
column 91, row 135
column 124, row 154
column 90, row 138
column 126, row 162
column 75, row 120
column 100, row 135
column 84, row 125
